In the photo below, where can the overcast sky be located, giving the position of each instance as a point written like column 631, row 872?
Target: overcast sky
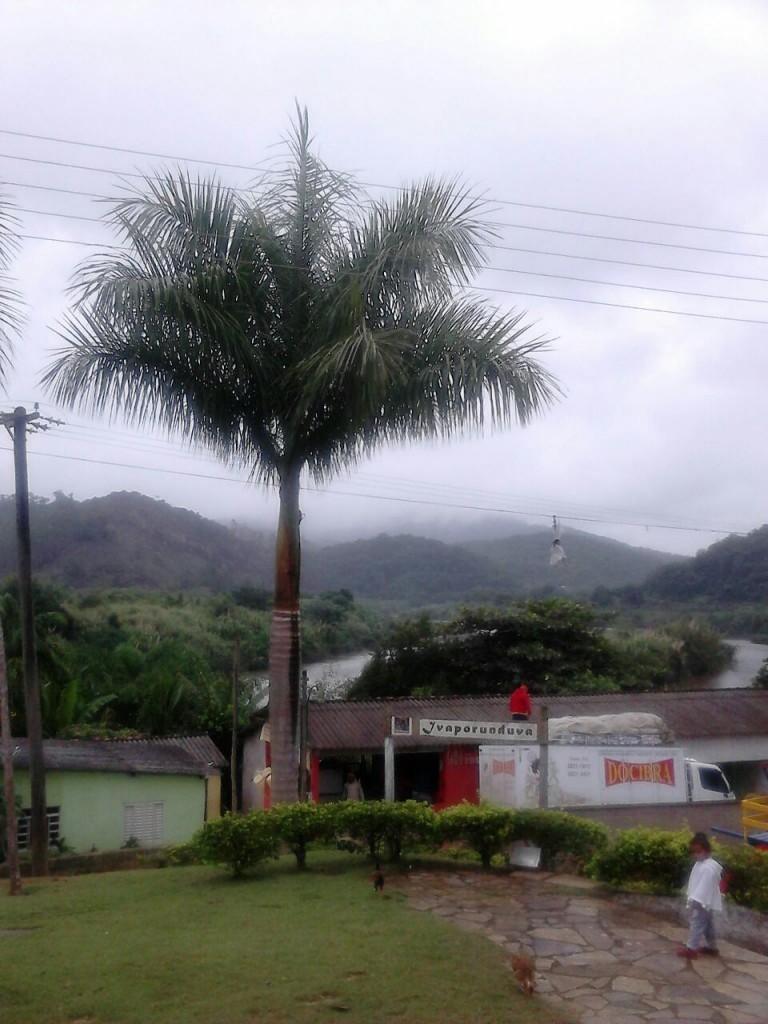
column 643, row 116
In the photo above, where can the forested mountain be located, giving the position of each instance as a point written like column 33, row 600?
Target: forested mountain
column 408, row 569
column 128, row 540
column 730, row 571
column 591, row 562
column 418, row 570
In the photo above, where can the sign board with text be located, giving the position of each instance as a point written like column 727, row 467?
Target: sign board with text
column 480, row 732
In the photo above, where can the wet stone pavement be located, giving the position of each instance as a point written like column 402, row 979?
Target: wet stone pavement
column 595, row 959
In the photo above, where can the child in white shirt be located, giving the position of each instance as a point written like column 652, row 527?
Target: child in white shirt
column 704, row 898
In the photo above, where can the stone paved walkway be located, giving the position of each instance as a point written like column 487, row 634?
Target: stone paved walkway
column 598, row 960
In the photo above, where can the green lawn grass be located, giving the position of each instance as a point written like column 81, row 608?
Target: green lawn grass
column 190, row 945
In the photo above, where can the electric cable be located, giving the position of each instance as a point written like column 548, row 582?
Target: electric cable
column 505, row 248
column 488, row 269
column 368, row 184
column 354, row 494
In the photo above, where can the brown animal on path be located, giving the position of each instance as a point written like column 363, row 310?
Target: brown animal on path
column 524, row 970
column 378, row 881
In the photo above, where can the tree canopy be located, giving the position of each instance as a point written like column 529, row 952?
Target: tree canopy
column 554, row 646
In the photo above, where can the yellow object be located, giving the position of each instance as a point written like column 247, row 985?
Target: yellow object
column 754, row 814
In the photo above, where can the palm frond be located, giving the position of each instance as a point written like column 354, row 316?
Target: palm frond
column 281, row 328
column 447, row 369
column 306, row 201
column 11, row 305
column 422, row 244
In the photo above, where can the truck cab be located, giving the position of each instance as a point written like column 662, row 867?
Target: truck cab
column 706, row 782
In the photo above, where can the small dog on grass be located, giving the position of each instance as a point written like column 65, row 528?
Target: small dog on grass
column 524, row 970
column 378, row 880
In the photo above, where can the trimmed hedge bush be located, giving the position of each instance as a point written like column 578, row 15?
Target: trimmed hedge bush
column 646, row 859
column 239, row 841
column 654, row 861
column 297, row 825
column 487, row 830
column 564, row 838
column 745, row 869
column 377, row 824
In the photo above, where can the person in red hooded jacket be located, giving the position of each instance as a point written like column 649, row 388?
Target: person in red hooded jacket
column 520, row 704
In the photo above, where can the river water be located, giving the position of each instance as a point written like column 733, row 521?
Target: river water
column 331, row 676
column 747, row 661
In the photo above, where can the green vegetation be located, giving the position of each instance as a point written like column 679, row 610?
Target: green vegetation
column 724, row 586
column 375, row 824
column 761, row 679
column 242, row 842
column 183, row 944
column 732, row 570
column 555, row 646
column 656, row 861
column 157, row 663
column 127, row 540
column 644, row 858
column 484, row 829
column 130, row 541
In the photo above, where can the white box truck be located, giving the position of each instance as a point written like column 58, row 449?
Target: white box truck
column 600, row 768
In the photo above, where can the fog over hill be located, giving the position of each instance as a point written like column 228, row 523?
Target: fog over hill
column 129, row 540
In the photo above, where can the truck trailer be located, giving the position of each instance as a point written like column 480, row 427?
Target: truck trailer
column 597, row 762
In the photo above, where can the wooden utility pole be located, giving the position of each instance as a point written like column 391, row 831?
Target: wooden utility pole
column 11, row 818
column 303, row 735
column 544, row 757
column 235, row 699
column 18, row 423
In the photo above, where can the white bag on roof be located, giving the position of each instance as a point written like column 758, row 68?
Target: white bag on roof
column 641, row 724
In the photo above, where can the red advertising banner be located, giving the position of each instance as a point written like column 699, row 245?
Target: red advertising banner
column 660, row 772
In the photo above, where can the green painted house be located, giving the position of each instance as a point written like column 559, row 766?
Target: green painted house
column 106, row 794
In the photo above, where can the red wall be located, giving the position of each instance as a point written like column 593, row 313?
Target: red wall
column 459, row 776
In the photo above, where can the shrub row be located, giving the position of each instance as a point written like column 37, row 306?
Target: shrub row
column 240, row 842
column 654, row 861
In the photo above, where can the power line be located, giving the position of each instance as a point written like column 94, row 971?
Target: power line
column 622, row 284
column 58, row 213
column 505, row 202
column 75, row 167
column 491, row 245
column 635, row 241
column 620, row 305
column 54, row 188
column 502, row 270
column 548, row 502
column 133, row 152
column 483, row 288
column 164, row 447
column 519, row 227
column 629, row 263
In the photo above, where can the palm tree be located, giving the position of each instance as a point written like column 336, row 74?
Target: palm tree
column 295, row 329
column 10, row 318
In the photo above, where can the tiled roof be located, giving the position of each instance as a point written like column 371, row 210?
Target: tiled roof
column 692, row 714
column 169, row 755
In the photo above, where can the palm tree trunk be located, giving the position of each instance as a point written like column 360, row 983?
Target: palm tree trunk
column 11, row 822
column 285, row 643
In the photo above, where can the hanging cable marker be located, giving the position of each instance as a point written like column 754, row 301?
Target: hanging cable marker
column 556, row 552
